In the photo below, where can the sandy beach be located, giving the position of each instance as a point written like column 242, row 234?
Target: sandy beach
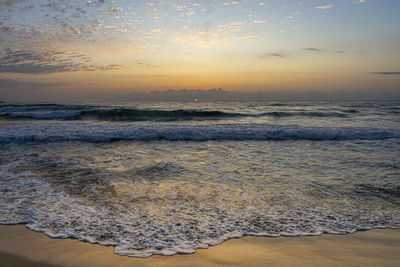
column 22, row 247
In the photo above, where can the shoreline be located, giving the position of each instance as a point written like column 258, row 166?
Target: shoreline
column 20, row 246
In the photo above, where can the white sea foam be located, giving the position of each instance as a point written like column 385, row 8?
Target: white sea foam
column 116, row 195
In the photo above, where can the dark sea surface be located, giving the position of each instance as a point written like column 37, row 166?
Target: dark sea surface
column 167, row 178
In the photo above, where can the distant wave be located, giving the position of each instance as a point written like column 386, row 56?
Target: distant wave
column 65, row 112
column 57, row 112
column 40, row 107
column 124, row 114
column 115, row 132
column 304, row 114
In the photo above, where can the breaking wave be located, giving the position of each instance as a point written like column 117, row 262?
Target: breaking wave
column 68, row 112
column 147, row 132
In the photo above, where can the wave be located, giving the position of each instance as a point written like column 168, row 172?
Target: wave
column 119, row 114
column 149, row 132
column 59, row 112
column 41, row 111
column 49, row 115
column 122, row 115
column 41, row 107
column 303, row 114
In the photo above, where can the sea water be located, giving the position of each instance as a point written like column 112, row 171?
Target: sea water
column 167, row 178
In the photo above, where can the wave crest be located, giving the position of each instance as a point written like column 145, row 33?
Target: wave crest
column 149, row 132
column 70, row 112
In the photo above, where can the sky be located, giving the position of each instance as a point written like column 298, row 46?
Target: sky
column 69, row 49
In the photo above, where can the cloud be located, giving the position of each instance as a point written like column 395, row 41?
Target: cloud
column 144, row 64
column 318, row 50
column 234, row 3
column 275, row 54
column 324, row 7
column 42, row 62
column 245, row 37
column 386, row 73
column 8, row 2
column 55, row 23
column 308, row 49
column 72, row 30
column 312, row 49
column 114, row 9
column 6, row 29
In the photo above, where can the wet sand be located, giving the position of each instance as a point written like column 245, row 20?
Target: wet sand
column 22, row 247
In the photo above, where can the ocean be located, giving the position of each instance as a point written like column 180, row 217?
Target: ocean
column 168, row 178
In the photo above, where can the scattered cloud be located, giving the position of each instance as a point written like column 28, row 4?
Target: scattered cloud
column 269, row 55
column 144, row 64
column 386, row 73
column 276, row 54
column 9, row 2
column 312, row 49
column 245, row 37
column 73, row 30
column 42, row 62
column 234, row 3
column 318, row 50
column 54, row 23
column 114, row 9
column 324, row 7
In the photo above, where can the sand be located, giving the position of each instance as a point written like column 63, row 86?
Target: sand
column 22, row 247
